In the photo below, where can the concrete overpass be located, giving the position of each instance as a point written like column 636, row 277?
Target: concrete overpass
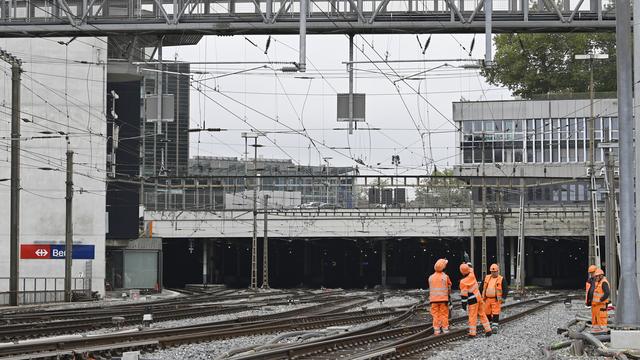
column 568, row 221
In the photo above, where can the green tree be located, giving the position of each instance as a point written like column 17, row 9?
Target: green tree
column 442, row 190
column 530, row 64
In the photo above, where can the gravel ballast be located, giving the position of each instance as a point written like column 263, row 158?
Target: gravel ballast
column 522, row 339
column 213, row 350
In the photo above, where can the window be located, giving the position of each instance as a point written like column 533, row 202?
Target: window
column 497, row 155
column 518, row 154
column 572, row 129
column 614, row 128
column 563, row 151
column 572, row 151
column 547, row 154
column 477, row 154
column 467, row 155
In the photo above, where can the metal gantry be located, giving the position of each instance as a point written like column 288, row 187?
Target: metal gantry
column 21, row 18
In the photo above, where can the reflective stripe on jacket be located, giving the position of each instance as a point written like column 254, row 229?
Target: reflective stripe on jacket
column 439, row 287
column 469, row 290
column 492, row 287
column 600, row 296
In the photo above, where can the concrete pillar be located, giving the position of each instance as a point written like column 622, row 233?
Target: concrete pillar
column 512, row 261
column 205, row 260
column 383, row 263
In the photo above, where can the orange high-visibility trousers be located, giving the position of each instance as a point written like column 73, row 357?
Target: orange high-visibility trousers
column 491, row 306
column 476, row 310
column 440, row 316
column 599, row 317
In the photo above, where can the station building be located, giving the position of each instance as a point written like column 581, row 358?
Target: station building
column 534, row 138
column 145, row 149
column 63, row 106
column 539, row 138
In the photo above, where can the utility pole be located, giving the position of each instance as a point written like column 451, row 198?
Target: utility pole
column 520, row 271
column 472, row 237
column 636, row 98
column 594, row 246
column 484, row 215
column 350, row 70
column 254, row 241
column 611, row 268
column 302, row 62
column 265, row 246
column 68, row 230
column 628, row 310
column 14, row 231
column 499, row 217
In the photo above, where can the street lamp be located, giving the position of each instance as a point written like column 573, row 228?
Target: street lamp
column 594, row 254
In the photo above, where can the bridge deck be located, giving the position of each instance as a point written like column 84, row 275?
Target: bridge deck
column 21, row 18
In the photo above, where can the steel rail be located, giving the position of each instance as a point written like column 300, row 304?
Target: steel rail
column 420, row 345
column 364, row 336
column 197, row 333
column 88, row 320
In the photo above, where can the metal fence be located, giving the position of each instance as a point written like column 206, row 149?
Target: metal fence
column 37, row 290
column 356, row 192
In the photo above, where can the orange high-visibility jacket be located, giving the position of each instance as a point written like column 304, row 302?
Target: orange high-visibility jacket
column 439, row 287
column 469, row 291
column 601, row 292
column 492, row 287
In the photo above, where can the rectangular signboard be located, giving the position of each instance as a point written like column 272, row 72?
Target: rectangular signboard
column 51, row 251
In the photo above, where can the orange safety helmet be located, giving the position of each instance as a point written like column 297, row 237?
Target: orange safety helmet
column 494, row 267
column 440, row 264
column 598, row 272
column 465, row 269
column 592, row 268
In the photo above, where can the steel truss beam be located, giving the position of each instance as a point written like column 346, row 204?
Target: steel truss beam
column 19, row 18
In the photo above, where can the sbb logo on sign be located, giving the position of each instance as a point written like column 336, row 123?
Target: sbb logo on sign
column 50, row 251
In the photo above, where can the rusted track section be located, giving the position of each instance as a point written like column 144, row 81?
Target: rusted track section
column 89, row 319
column 189, row 334
column 418, row 346
column 381, row 333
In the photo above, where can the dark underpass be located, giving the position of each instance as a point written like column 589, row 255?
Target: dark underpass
column 357, row 263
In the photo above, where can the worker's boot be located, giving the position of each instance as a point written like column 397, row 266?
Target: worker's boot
column 494, row 323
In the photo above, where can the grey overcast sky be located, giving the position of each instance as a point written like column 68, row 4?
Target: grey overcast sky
column 277, row 102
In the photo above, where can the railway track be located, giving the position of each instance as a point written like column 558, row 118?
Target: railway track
column 111, row 344
column 32, row 324
column 389, row 340
column 105, row 319
column 49, row 313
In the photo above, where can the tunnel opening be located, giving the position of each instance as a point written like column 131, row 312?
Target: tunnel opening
column 357, row 263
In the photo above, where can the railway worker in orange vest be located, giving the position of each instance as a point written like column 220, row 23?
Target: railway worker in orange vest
column 599, row 302
column 472, row 299
column 494, row 292
column 439, row 297
column 589, row 284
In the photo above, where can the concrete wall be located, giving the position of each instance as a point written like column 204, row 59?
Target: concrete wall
column 63, row 89
column 542, row 222
column 532, row 109
column 277, row 199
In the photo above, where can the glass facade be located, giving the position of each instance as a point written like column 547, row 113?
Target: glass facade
column 557, row 140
